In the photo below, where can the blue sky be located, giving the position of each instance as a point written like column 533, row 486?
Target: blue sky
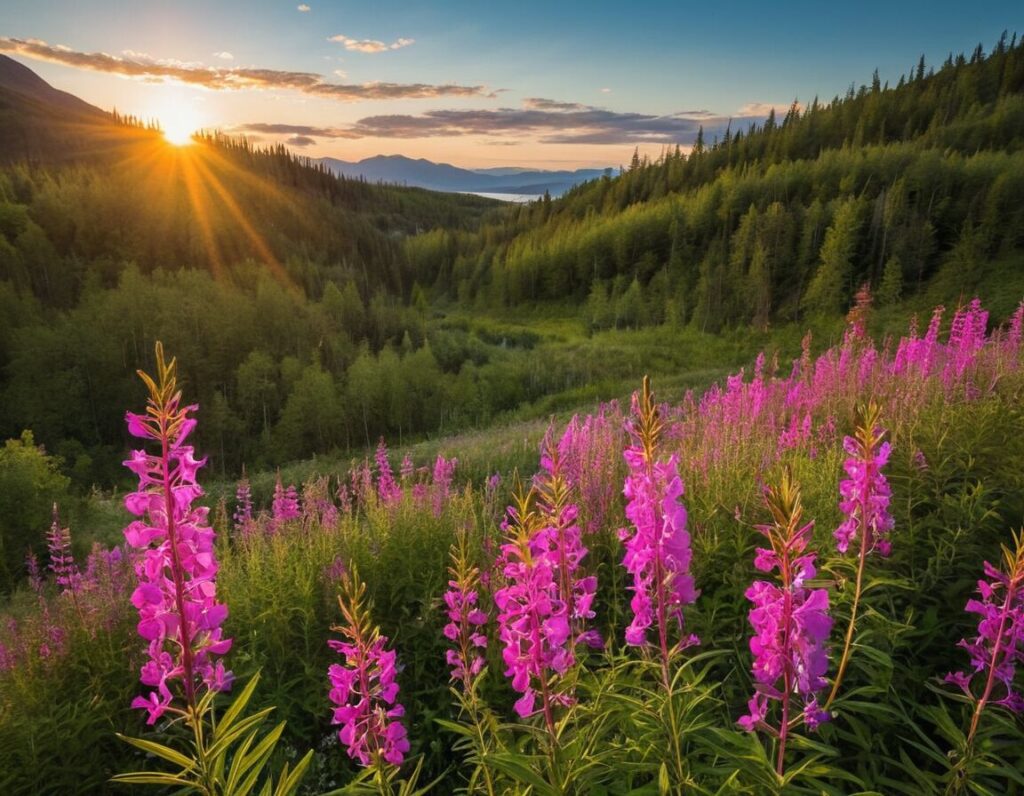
column 468, row 86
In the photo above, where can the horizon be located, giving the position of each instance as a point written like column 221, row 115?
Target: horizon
column 553, row 89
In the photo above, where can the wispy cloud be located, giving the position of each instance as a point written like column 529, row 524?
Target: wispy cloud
column 370, row 45
column 764, row 108
column 294, row 130
column 300, row 140
column 542, row 104
column 302, row 7
column 224, row 78
column 605, row 90
column 548, row 121
column 541, row 120
column 224, row 56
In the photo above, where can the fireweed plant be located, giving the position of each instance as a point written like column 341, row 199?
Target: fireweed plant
column 533, row 621
column 790, row 621
column 658, row 548
column 364, row 688
column 864, row 501
column 179, row 616
column 562, row 541
column 999, row 645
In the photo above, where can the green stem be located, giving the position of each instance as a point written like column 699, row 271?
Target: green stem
column 677, row 748
column 848, row 643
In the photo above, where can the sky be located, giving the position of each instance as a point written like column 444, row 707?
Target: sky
column 479, row 84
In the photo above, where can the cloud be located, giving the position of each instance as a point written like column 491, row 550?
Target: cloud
column 224, row 56
column 341, row 73
column 302, row 7
column 540, row 120
column 550, row 122
column 605, row 90
column 224, row 78
column 370, row 45
column 764, row 108
column 300, row 140
column 294, row 130
column 541, row 104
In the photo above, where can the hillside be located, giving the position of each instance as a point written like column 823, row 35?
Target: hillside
column 39, row 123
column 911, row 188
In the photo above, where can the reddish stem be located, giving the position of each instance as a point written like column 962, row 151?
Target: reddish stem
column 787, row 610
column 177, row 575
column 993, row 663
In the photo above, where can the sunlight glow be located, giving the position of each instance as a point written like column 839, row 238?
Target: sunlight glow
column 178, row 122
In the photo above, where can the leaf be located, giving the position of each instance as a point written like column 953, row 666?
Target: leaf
column 222, row 742
column 165, row 752
column 664, row 783
column 512, row 766
column 154, row 778
column 289, row 781
column 257, row 758
column 238, row 704
column 456, row 727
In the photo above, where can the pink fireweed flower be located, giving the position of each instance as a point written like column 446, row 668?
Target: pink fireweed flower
column 407, row 470
column 444, row 472
column 561, row 541
column 533, row 621
column 658, row 551
column 176, row 597
column 865, row 494
column 285, row 506
column 999, row 646
column 317, row 506
column 790, row 621
column 243, row 506
column 344, row 498
column 465, row 618
column 62, row 562
column 363, row 689
column 387, row 489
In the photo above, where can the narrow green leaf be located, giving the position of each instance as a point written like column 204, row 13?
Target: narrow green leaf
column 165, row 752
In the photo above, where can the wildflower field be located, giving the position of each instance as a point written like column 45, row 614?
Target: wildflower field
column 806, row 579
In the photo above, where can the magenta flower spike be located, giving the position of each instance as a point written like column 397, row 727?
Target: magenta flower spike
column 243, row 506
column 561, row 541
column 533, row 621
column 364, row 689
column 865, row 493
column 441, row 485
column 658, row 550
column 176, row 596
column 62, row 562
column 864, row 500
column 387, row 489
column 466, row 619
column 790, row 621
column 999, row 646
column 285, row 506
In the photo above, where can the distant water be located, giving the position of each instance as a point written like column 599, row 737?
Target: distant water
column 508, row 197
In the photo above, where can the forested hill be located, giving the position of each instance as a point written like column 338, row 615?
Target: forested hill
column 258, row 268
column 912, row 188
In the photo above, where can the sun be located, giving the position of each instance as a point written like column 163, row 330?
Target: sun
column 179, row 122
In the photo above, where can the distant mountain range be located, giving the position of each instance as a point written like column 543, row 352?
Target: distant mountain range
column 421, row 173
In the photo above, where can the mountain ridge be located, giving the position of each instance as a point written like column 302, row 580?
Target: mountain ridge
column 423, row 173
